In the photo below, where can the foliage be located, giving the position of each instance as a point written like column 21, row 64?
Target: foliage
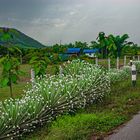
column 119, row 75
column 42, row 104
column 120, row 42
column 10, row 72
column 109, row 46
column 18, row 39
column 79, row 127
column 39, row 65
column 137, row 63
column 96, row 120
column 55, row 58
column 80, row 85
column 79, row 44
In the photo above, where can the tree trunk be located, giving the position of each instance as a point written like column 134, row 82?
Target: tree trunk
column 119, row 52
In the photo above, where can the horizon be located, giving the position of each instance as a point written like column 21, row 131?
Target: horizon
column 71, row 20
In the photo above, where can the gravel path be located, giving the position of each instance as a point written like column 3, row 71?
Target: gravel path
column 131, row 131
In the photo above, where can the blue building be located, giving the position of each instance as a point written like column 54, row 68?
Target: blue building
column 91, row 52
column 73, row 51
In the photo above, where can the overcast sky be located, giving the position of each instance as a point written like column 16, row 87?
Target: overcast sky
column 50, row 21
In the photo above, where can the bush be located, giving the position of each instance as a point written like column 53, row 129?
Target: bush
column 137, row 63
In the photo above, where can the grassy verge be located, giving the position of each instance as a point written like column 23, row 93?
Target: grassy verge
column 97, row 120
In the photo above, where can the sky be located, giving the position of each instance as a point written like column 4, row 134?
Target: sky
column 50, row 21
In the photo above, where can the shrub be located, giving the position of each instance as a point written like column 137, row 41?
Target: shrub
column 137, row 63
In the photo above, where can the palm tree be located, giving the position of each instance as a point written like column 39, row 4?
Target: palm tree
column 120, row 42
column 111, row 46
column 102, row 39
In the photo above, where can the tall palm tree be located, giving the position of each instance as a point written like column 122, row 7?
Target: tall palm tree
column 111, row 46
column 120, row 42
column 102, row 39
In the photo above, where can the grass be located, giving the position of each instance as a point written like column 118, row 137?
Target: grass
column 97, row 120
column 17, row 91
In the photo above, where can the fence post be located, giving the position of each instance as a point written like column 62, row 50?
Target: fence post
column 125, row 60
column 96, row 61
column 108, row 63
column 134, row 75
column 133, row 57
column 60, row 71
column 117, row 63
column 138, row 58
column 32, row 77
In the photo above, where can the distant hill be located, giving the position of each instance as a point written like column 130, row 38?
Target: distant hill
column 20, row 39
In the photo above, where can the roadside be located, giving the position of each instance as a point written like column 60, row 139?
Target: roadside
column 131, row 131
column 97, row 121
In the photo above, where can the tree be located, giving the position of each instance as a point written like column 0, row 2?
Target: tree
column 10, row 64
column 111, row 46
column 130, row 49
column 10, row 72
column 82, row 45
column 94, row 44
column 39, row 64
column 120, row 42
column 102, row 40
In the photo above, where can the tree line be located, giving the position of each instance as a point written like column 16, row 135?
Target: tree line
column 12, row 56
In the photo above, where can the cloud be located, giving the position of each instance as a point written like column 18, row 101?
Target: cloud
column 50, row 21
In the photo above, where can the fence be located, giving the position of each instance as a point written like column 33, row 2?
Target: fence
column 116, row 63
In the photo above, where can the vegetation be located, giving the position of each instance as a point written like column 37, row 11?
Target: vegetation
column 109, row 46
column 80, row 85
column 10, row 64
column 10, row 73
column 19, row 39
column 64, row 94
column 96, row 120
column 39, row 65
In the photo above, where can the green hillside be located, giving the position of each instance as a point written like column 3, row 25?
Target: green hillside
column 19, row 39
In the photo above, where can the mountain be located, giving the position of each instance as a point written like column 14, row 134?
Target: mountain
column 19, row 39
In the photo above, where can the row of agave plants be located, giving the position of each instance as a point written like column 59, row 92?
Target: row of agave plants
column 80, row 84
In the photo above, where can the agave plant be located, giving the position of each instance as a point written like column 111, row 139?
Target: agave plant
column 81, row 84
column 116, row 75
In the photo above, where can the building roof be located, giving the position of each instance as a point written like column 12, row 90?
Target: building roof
column 90, row 50
column 73, row 50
